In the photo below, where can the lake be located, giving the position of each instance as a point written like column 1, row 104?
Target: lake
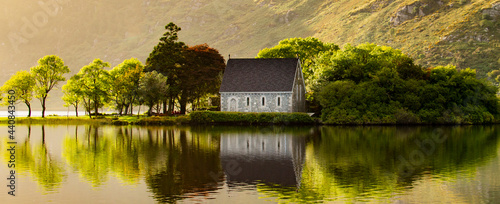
column 216, row 164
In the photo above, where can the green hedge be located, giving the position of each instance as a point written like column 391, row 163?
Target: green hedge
column 204, row 117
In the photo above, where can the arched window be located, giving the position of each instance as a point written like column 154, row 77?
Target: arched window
column 278, row 102
column 263, row 101
column 248, row 101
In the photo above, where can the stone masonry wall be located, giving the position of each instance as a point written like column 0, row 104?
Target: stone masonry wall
column 255, row 105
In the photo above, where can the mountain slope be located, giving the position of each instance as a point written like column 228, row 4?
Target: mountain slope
column 461, row 32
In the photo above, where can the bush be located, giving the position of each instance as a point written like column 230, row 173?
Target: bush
column 486, row 23
column 486, row 16
column 205, row 117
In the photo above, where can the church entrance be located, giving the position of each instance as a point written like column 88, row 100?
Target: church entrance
column 232, row 105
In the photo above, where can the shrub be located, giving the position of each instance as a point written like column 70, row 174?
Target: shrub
column 485, row 23
column 486, row 16
column 204, row 117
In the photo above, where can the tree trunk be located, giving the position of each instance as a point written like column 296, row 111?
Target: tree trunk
column 88, row 109
column 164, row 106
column 149, row 110
column 139, row 111
column 171, row 105
column 29, row 109
column 126, row 109
column 76, row 109
column 43, row 106
column 183, row 104
column 96, row 107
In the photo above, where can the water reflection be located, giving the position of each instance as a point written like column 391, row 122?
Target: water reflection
column 188, row 167
column 36, row 160
column 346, row 164
column 269, row 158
column 359, row 164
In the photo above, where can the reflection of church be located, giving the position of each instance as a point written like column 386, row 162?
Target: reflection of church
column 262, row 158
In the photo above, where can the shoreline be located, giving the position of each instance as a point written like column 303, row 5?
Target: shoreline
column 186, row 120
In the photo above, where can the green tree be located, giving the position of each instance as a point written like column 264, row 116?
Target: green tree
column 307, row 49
column 165, row 59
column 22, row 83
column 125, row 84
column 370, row 84
column 94, row 83
column 191, row 72
column 47, row 75
column 151, row 87
column 72, row 93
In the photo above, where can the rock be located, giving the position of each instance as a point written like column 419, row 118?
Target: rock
column 406, row 13
column 421, row 12
column 415, row 9
column 493, row 12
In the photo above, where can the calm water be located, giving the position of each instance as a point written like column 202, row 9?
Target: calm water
column 108, row 164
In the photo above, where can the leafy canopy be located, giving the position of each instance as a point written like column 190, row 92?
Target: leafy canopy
column 47, row 75
column 307, row 49
column 23, row 84
column 151, row 87
column 125, row 83
column 370, row 84
column 93, row 82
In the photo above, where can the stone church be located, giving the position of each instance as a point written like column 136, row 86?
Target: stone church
column 263, row 85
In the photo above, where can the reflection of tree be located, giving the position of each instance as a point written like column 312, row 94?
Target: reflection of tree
column 90, row 156
column 173, row 161
column 125, row 156
column 192, row 166
column 36, row 159
column 357, row 163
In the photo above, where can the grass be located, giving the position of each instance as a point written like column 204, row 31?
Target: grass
column 197, row 117
column 109, row 120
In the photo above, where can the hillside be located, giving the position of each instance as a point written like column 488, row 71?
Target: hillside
column 461, row 32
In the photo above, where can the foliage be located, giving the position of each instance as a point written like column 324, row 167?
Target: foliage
column 200, row 74
column 307, row 49
column 203, row 117
column 47, row 75
column 165, row 60
column 73, row 93
column 192, row 72
column 494, row 75
column 23, row 84
column 370, row 84
column 151, row 89
column 93, row 84
column 125, row 84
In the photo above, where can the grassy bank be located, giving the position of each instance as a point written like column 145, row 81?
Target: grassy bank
column 100, row 120
column 197, row 117
column 208, row 117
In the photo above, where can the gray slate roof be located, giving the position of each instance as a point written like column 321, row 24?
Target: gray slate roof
column 259, row 75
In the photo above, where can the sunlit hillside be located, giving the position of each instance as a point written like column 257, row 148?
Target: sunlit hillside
column 461, row 32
